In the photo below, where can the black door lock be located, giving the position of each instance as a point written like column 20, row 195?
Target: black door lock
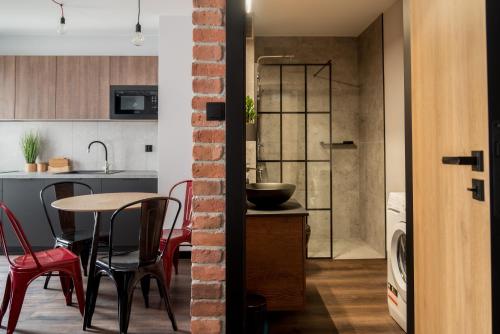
column 477, row 190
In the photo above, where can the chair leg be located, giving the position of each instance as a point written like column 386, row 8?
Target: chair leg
column 93, row 298
column 46, row 285
column 175, row 260
column 19, row 287
column 145, row 287
column 6, row 299
column 164, row 294
column 125, row 295
column 84, row 258
column 66, row 287
column 78, row 284
column 167, row 266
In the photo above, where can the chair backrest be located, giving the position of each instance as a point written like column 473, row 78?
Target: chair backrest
column 152, row 215
column 188, row 201
column 18, row 230
column 66, row 220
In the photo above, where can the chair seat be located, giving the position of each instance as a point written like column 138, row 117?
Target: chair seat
column 124, row 261
column 48, row 259
column 78, row 235
column 177, row 233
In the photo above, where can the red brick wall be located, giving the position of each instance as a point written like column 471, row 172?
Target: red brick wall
column 208, row 270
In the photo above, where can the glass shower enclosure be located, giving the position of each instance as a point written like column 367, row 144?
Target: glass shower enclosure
column 294, row 105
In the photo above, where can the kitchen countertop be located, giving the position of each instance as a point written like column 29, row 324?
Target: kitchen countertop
column 292, row 207
column 128, row 174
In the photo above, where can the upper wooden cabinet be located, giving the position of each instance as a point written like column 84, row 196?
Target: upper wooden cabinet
column 134, row 70
column 7, row 86
column 35, row 87
column 82, row 89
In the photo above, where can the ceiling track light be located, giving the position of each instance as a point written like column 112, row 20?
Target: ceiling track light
column 138, row 38
column 61, row 28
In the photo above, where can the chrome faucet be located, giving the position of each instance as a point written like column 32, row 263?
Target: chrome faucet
column 106, row 164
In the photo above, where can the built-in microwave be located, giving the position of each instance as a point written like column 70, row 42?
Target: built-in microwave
column 134, row 102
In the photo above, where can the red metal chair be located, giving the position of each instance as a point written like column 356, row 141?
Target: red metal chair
column 179, row 235
column 26, row 268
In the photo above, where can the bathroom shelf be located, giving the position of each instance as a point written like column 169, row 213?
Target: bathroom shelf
column 345, row 145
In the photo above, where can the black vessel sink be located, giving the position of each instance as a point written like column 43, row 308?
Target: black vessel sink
column 269, row 194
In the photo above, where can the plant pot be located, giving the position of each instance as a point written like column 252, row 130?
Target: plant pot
column 251, row 130
column 30, row 168
column 41, row 167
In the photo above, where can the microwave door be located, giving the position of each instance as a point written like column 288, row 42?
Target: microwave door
column 131, row 104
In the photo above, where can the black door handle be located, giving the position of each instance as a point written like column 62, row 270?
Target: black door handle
column 475, row 160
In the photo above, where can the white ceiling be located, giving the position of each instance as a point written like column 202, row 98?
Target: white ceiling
column 315, row 17
column 86, row 17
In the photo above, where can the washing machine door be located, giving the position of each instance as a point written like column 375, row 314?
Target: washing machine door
column 398, row 257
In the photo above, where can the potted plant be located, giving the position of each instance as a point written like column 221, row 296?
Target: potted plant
column 251, row 118
column 30, row 146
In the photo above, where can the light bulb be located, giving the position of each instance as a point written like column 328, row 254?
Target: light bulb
column 138, row 38
column 248, row 5
column 61, row 28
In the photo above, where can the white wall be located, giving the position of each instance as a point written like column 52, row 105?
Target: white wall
column 394, row 98
column 125, row 142
column 77, row 45
column 175, row 95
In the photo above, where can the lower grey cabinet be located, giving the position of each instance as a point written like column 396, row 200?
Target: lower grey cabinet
column 126, row 233
column 22, row 197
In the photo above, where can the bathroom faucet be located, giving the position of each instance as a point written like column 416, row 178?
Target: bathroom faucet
column 106, row 164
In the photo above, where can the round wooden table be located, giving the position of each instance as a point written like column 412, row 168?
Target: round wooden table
column 97, row 203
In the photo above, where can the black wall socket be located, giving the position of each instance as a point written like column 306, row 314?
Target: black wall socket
column 149, row 148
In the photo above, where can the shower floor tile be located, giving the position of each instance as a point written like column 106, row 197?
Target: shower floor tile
column 349, row 249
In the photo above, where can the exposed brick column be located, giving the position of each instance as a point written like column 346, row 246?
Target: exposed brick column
column 208, row 256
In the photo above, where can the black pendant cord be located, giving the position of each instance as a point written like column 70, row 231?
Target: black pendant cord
column 62, row 7
column 138, row 27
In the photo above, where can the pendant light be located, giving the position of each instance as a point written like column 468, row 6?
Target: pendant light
column 138, row 38
column 61, row 28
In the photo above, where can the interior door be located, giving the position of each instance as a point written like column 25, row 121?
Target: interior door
column 452, row 269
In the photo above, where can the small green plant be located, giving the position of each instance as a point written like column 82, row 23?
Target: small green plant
column 251, row 114
column 30, row 145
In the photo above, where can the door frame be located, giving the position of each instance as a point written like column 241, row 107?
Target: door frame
column 236, row 163
column 493, row 54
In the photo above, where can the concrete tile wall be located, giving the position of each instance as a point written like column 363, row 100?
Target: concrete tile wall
column 125, row 141
column 371, row 144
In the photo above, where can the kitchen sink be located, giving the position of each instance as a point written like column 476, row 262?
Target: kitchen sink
column 92, row 172
column 269, row 194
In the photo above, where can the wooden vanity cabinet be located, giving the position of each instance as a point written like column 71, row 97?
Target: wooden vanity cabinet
column 275, row 259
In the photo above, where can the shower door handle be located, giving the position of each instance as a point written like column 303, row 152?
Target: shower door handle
column 475, row 160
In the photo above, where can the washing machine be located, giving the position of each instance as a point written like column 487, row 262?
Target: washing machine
column 396, row 257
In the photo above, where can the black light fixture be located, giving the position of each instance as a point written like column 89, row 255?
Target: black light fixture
column 61, row 28
column 138, row 38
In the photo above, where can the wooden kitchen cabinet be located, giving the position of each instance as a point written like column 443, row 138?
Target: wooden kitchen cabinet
column 275, row 256
column 7, row 86
column 134, row 70
column 82, row 89
column 35, row 87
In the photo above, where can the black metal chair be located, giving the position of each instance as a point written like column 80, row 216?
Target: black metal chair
column 65, row 233
column 137, row 265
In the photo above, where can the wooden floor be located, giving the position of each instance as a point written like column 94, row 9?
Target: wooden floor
column 343, row 296
column 44, row 311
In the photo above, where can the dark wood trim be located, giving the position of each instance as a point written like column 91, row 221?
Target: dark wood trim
column 410, row 311
column 235, row 166
column 493, row 53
